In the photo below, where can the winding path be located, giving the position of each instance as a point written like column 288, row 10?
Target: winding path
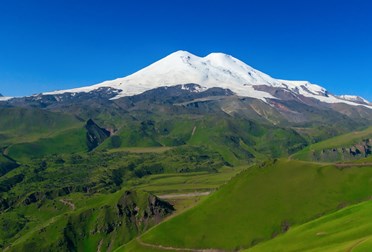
column 68, row 203
column 175, row 249
column 356, row 245
column 183, row 195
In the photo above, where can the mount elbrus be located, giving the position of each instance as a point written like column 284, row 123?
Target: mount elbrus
column 80, row 168
column 216, row 70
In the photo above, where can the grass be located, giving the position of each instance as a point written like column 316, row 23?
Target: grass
column 346, row 140
column 19, row 125
column 141, row 149
column 43, row 221
column 364, row 160
column 345, row 230
column 68, row 141
column 135, row 246
column 49, row 225
column 53, row 215
column 186, row 182
column 237, row 140
column 261, row 202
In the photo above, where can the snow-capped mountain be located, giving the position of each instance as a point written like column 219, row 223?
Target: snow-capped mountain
column 354, row 98
column 214, row 70
column 4, row 98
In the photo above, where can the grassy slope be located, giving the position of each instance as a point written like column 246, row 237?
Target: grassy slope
column 135, row 246
column 256, row 204
column 345, row 140
column 68, row 141
column 31, row 132
column 23, row 125
column 208, row 133
column 139, row 149
column 346, row 229
column 185, row 182
column 237, row 140
column 41, row 225
column 93, row 213
column 24, row 225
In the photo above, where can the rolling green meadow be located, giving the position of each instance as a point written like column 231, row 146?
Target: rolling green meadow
column 179, row 182
column 267, row 200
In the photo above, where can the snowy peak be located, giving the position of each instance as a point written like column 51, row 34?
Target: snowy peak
column 354, row 98
column 216, row 70
column 4, row 98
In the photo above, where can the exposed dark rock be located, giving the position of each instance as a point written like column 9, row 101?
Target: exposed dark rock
column 179, row 93
column 57, row 100
column 9, row 183
column 95, row 134
column 7, row 165
column 134, row 213
column 359, row 150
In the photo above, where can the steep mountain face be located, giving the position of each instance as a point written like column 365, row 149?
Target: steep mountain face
column 6, row 165
column 95, row 134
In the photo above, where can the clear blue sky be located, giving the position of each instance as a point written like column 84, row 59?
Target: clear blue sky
column 48, row 45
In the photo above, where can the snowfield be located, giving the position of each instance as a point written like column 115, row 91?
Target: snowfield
column 214, row 70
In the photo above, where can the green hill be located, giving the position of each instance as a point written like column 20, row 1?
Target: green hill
column 68, row 141
column 36, row 197
column 31, row 132
column 28, row 124
column 102, row 223
column 351, row 146
column 63, row 180
column 263, row 202
column 236, row 139
column 349, row 229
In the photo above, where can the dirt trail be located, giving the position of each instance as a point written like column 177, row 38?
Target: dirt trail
column 6, row 151
column 183, row 195
column 356, row 245
column 193, row 131
column 175, row 249
column 99, row 246
column 68, row 203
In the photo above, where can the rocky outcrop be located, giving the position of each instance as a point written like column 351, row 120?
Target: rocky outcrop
column 95, row 134
column 359, row 150
column 6, row 165
column 134, row 213
column 103, row 226
column 152, row 211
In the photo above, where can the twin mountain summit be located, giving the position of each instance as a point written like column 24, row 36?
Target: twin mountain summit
column 188, row 154
column 217, row 71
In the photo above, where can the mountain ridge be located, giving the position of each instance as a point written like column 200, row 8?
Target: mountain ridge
column 354, row 98
column 214, row 70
